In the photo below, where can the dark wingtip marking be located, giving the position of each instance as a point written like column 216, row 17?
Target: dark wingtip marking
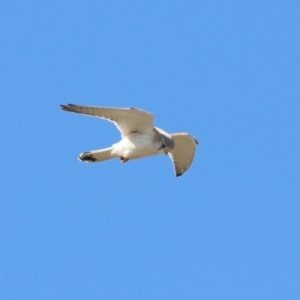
column 178, row 174
column 67, row 107
column 87, row 157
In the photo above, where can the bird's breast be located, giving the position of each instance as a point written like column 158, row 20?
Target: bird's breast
column 137, row 145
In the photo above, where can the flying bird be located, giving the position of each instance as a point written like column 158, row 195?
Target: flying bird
column 139, row 137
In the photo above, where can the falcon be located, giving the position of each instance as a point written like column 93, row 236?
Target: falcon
column 139, row 137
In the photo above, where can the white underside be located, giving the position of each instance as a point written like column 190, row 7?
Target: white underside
column 136, row 146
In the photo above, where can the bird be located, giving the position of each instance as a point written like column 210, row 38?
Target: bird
column 139, row 137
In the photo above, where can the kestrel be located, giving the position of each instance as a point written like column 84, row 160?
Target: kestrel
column 139, row 138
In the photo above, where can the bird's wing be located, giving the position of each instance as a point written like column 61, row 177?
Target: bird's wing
column 127, row 120
column 183, row 153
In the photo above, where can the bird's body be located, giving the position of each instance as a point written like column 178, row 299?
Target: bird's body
column 139, row 137
column 138, row 145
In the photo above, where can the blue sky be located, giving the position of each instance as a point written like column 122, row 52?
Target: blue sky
column 228, row 72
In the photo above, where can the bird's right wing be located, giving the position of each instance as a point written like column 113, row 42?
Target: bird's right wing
column 183, row 153
column 127, row 120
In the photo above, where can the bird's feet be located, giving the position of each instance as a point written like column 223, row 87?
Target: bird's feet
column 124, row 159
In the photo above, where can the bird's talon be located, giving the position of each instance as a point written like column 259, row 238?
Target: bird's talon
column 124, row 159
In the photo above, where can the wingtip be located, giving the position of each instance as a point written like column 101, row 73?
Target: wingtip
column 66, row 107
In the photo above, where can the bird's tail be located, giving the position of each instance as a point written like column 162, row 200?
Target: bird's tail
column 97, row 155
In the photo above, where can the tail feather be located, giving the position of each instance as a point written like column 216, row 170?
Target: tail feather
column 97, row 155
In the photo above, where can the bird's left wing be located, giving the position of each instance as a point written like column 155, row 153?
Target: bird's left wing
column 127, row 120
column 183, row 153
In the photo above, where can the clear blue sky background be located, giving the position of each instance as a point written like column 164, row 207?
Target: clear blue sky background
column 228, row 72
